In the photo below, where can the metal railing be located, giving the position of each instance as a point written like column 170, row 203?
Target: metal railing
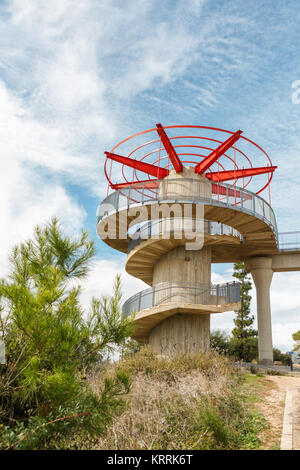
column 289, row 241
column 170, row 293
column 162, row 228
column 224, row 195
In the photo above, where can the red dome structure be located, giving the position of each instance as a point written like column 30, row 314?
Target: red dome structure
column 235, row 159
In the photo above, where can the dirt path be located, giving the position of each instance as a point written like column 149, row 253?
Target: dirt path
column 271, row 405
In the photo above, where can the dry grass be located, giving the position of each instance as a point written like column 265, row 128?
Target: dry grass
column 180, row 403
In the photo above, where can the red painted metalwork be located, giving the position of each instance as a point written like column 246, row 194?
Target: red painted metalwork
column 218, row 189
column 217, row 153
column 230, row 161
column 149, row 184
column 154, row 184
column 220, row 176
column 170, row 149
column 138, row 165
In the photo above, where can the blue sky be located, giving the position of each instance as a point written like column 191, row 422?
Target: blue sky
column 77, row 77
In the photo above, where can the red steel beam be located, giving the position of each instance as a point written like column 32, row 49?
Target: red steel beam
column 215, row 154
column 220, row 176
column 151, row 184
column 170, row 149
column 152, row 170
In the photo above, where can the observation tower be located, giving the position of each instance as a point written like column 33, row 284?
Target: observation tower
column 179, row 199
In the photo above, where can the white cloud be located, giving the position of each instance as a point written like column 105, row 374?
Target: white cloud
column 68, row 83
column 25, row 139
column 29, row 197
column 285, row 293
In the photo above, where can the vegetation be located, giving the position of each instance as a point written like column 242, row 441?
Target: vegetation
column 224, row 343
column 244, row 337
column 185, row 402
column 221, row 341
column 58, row 392
column 284, row 358
column 50, row 344
column 242, row 343
column 296, row 338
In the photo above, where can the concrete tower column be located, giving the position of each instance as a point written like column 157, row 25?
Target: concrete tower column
column 175, row 276
column 178, row 273
column 261, row 271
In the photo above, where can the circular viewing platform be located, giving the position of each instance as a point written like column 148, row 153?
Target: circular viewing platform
column 152, row 306
column 245, row 212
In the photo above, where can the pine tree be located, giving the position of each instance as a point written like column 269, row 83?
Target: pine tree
column 50, row 341
column 244, row 336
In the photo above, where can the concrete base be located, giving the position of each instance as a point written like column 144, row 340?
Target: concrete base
column 181, row 333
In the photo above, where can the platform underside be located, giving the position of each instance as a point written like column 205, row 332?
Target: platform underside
column 258, row 236
column 147, row 319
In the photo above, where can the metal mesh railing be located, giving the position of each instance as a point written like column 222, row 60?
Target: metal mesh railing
column 289, row 241
column 224, row 195
column 170, row 293
column 162, row 228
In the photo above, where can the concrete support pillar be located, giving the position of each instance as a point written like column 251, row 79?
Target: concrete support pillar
column 178, row 272
column 181, row 333
column 262, row 274
column 173, row 274
column 184, row 268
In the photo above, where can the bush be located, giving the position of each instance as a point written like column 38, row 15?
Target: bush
column 220, row 341
column 282, row 357
column 274, row 372
column 254, row 370
column 228, row 345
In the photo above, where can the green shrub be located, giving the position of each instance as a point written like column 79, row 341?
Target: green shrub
column 254, row 370
column 275, row 372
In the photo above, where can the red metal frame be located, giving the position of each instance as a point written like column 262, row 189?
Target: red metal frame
column 149, row 184
column 216, row 154
column 170, row 149
column 159, row 166
column 220, row 176
column 138, row 165
column 223, row 191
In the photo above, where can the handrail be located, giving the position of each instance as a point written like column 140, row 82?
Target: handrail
column 155, row 228
column 172, row 293
column 289, row 241
column 225, row 195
